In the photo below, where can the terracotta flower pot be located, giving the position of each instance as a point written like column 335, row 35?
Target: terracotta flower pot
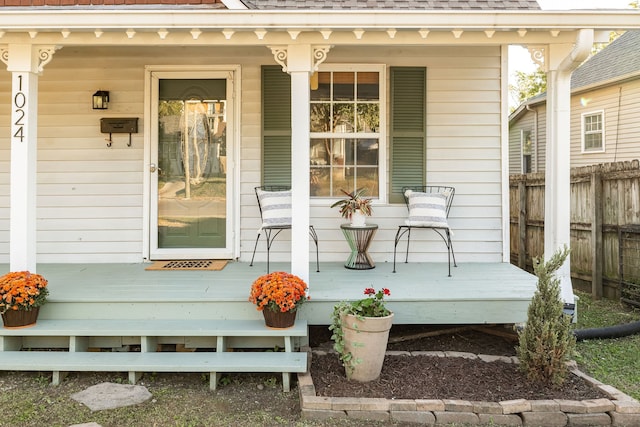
column 279, row 319
column 366, row 340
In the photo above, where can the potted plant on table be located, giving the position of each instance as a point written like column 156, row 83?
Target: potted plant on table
column 360, row 330
column 278, row 295
column 355, row 206
column 22, row 293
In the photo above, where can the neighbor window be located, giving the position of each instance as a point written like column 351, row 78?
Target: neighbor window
column 525, row 137
column 345, row 124
column 593, row 132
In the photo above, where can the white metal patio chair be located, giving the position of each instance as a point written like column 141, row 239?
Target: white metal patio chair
column 274, row 203
column 428, row 207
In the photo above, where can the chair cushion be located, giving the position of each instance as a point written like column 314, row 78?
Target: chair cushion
column 427, row 209
column 276, row 208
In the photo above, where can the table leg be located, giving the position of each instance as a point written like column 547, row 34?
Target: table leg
column 359, row 241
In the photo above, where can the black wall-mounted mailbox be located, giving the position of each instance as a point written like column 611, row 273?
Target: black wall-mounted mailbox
column 121, row 125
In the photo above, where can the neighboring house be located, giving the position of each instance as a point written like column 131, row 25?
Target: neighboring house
column 605, row 112
column 208, row 100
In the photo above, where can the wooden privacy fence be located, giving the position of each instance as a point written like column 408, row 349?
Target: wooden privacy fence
column 605, row 201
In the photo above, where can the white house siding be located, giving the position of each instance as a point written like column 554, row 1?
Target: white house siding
column 524, row 123
column 536, row 122
column 463, row 150
column 622, row 131
column 90, row 197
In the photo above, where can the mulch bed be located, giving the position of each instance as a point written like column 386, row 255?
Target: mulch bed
column 426, row 377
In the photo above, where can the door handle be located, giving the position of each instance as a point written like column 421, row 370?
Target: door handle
column 152, row 167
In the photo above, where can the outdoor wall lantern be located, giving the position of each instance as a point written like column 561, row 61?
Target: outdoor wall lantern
column 101, row 100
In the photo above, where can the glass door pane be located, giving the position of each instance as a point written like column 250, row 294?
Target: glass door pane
column 192, row 178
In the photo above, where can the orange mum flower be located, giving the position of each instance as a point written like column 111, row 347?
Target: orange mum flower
column 279, row 291
column 22, row 290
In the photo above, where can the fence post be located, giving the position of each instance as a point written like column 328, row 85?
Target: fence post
column 596, row 235
column 522, row 223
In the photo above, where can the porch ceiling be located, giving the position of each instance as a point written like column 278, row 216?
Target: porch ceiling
column 193, row 26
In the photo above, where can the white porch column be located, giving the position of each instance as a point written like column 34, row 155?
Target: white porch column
column 24, row 61
column 563, row 60
column 300, row 67
column 300, row 61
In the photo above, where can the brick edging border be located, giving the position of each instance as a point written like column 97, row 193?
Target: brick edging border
column 619, row 410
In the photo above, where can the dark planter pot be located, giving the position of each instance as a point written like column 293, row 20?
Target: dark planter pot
column 279, row 319
column 20, row 318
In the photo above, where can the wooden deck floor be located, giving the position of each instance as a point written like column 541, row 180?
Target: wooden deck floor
column 421, row 293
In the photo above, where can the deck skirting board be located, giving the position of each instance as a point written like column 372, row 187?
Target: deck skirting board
column 318, row 312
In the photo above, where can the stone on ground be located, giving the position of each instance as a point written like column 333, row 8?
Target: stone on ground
column 86, row 425
column 110, row 396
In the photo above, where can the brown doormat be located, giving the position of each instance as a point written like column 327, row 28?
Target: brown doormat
column 189, row 264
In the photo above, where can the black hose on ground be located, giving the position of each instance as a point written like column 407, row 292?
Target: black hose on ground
column 608, row 332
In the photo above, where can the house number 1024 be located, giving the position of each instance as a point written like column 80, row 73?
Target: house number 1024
column 19, row 102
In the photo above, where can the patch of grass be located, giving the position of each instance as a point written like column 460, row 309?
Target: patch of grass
column 604, row 312
column 271, row 382
column 178, row 400
column 612, row 361
column 224, row 380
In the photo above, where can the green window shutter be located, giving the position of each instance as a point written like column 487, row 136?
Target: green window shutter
column 276, row 126
column 407, row 129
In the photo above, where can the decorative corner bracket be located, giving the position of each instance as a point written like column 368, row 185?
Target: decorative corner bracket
column 281, row 54
column 4, row 54
column 539, row 56
column 320, row 55
column 45, row 55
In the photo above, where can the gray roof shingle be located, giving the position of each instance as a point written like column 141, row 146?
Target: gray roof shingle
column 395, row 4
column 620, row 58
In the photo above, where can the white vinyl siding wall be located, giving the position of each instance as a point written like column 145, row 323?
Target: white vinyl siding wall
column 536, row 122
column 90, row 197
column 620, row 105
column 463, row 150
column 524, row 123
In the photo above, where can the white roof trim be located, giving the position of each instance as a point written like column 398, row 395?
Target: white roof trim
column 203, row 26
column 234, row 4
column 35, row 19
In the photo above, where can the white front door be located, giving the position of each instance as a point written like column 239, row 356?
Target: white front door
column 190, row 186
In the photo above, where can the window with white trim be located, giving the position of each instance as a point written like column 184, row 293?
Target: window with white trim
column 526, row 143
column 346, row 124
column 593, row 132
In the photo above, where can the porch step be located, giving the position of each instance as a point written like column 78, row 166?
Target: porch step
column 60, row 362
column 154, row 327
column 149, row 332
